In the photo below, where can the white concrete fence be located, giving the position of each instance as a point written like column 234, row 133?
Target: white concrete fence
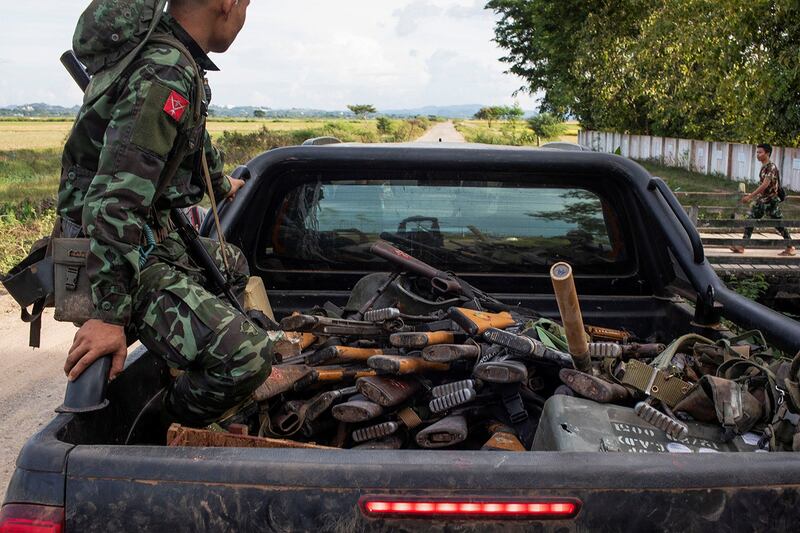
column 735, row 161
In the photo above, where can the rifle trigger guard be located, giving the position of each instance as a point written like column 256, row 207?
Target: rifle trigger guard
column 395, row 324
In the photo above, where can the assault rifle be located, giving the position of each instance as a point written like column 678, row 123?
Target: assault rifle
column 444, row 282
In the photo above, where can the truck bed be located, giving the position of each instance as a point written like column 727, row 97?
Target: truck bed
column 113, row 486
column 103, row 476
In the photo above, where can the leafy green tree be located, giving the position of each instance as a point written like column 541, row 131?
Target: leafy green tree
column 362, row 110
column 540, row 51
column 781, row 33
column 512, row 113
column 546, row 126
column 490, row 114
column 259, row 113
column 722, row 70
column 384, row 125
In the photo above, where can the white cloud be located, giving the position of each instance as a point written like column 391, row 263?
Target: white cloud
column 475, row 9
column 306, row 53
column 409, row 16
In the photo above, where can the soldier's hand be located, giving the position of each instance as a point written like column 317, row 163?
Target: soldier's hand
column 94, row 340
column 235, row 186
column 746, row 198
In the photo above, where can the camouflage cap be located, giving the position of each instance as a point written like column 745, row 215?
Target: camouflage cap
column 110, row 33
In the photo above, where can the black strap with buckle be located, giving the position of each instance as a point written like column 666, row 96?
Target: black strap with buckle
column 72, row 277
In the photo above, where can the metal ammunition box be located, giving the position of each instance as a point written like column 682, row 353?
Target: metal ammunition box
column 571, row 424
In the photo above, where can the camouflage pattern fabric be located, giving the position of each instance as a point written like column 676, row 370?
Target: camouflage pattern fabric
column 224, row 356
column 109, row 35
column 114, row 163
column 769, row 172
column 109, row 30
column 771, row 209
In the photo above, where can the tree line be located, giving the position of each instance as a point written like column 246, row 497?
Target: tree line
column 499, row 112
column 544, row 126
column 721, row 70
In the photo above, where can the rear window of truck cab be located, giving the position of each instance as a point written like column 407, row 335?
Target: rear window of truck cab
column 461, row 226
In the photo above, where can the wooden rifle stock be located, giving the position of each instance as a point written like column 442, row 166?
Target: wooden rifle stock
column 503, row 439
column 477, row 322
column 328, row 374
column 403, row 364
column 419, row 340
column 282, row 379
column 447, row 353
column 388, row 391
column 342, row 353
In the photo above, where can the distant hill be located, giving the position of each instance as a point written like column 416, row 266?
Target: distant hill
column 38, row 110
column 452, row 111
column 449, row 111
column 464, row 111
column 249, row 112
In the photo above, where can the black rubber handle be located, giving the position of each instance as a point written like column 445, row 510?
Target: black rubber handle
column 88, row 393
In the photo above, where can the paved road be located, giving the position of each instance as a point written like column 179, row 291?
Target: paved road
column 442, row 132
column 32, row 382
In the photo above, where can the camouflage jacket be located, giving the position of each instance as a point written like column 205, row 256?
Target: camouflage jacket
column 769, row 172
column 115, row 159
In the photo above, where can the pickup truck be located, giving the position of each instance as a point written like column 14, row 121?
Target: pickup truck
column 500, row 218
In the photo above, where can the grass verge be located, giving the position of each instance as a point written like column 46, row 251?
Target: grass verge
column 20, row 232
column 29, row 176
column 514, row 133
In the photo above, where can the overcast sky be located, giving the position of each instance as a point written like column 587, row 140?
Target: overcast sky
column 304, row 53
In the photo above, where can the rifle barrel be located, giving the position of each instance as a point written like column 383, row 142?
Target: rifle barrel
column 75, row 69
column 204, row 260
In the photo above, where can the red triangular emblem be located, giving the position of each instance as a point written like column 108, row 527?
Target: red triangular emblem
column 176, row 105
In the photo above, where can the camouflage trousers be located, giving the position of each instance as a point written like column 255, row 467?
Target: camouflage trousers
column 771, row 209
column 224, row 356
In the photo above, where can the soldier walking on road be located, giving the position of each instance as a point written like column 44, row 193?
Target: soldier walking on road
column 138, row 149
column 767, row 198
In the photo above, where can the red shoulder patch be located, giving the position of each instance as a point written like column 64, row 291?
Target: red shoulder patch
column 176, row 105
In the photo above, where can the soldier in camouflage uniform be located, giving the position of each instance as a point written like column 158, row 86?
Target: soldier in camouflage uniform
column 767, row 201
column 139, row 125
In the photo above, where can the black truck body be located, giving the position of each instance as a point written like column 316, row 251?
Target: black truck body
column 80, row 465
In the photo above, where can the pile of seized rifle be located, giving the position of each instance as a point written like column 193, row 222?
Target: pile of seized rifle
column 473, row 373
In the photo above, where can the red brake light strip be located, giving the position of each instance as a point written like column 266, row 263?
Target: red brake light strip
column 461, row 509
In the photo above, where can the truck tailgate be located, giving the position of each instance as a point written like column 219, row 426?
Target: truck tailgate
column 190, row 489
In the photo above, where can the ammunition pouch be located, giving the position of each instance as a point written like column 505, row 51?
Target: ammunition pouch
column 53, row 274
column 783, row 432
column 72, row 291
column 722, row 400
column 741, row 396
